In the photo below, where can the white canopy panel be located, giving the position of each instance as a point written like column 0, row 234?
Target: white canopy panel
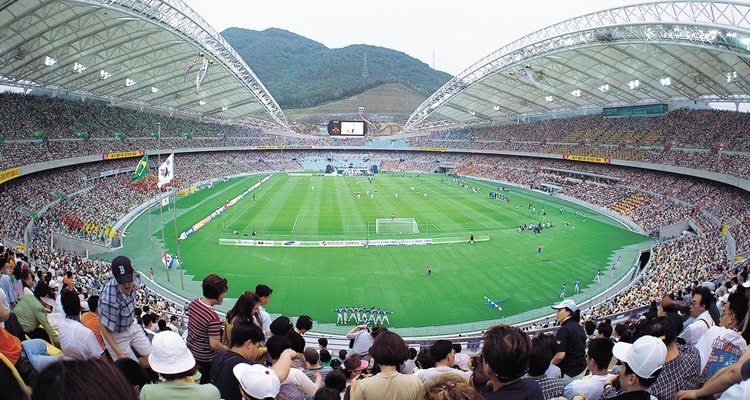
column 146, row 53
column 664, row 52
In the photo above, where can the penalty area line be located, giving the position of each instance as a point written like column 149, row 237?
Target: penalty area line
column 295, row 223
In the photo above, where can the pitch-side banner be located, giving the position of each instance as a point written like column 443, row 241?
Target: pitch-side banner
column 600, row 160
column 325, row 243
column 215, row 213
column 122, row 154
column 9, row 174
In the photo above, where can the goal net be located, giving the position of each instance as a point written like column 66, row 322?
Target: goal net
column 388, row 226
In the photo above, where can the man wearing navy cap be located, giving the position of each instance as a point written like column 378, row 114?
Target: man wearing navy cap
column 122, row 336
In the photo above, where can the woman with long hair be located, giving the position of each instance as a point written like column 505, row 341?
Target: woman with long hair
column 244, row 310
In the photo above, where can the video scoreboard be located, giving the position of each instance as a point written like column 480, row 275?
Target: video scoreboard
column 347, row 128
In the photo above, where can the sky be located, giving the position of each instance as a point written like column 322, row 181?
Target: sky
column 458, row 33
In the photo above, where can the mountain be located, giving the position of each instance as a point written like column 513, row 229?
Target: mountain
column 302, row 73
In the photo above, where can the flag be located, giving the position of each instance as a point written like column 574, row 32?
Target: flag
column 201, row 74
column 166, row 171
column 165, row 201
column 167, row 260
column 141, row 169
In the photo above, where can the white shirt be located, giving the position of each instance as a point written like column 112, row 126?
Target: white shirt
column 693, row 332
column 77, row 341
column 462, row 360
column 553, row 372
column 739, row 391
column 430, row 373
column 265, row 317
column 590, row 386
column 174, row 328
column 298, row 378
column 718, row 348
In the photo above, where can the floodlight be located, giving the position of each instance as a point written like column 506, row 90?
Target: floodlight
column 49, row 61
column 548, row 98
column 78, row 68
column 576, row 93
column 731, row 76
column 201, row 102
column 154, row 89
column 129, row 82
column 496, row 108
column 224, row 108
column 604, row 88
column 666, row 81
column 634, row 84
column 104, row 74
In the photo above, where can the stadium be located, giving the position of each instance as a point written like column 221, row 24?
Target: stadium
column 589, row 155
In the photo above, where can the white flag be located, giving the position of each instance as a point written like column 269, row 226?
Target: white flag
column 201, row 74
column 166, row 171
column 165, row 201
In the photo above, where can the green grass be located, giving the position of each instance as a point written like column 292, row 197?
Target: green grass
column 314, row 280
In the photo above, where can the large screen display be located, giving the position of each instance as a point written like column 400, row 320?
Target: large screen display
column 347, row 128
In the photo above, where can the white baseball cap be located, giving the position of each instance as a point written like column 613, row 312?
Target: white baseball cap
column 644, row 357
column 257, row 381
column 170, row 354
column 567, row 303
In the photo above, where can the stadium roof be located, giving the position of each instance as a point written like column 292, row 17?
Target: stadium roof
column 144, row 53
column 659, row 52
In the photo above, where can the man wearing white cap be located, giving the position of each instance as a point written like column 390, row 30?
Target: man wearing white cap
column 571, row 341
column 176, row 365
column 257, row 382
column 642, row 362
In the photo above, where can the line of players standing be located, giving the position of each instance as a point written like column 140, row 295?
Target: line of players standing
column 362, row 316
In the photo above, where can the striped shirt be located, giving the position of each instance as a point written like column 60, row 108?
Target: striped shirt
column 203, row 325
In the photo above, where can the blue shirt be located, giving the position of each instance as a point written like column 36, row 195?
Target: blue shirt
column 116, row 308
column 10, row 292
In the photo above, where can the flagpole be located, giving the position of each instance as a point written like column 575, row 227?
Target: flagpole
column 151, row 236
column 161, row 219
column 161, row 222
column 176, row 234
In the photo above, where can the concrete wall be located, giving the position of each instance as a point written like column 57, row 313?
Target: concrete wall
column 78, row 246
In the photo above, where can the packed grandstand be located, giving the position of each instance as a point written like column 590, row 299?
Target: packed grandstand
column 651, row 198
column 677, row 330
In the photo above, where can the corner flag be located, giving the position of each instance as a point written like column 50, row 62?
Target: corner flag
column 166, row 171
column 141, row 169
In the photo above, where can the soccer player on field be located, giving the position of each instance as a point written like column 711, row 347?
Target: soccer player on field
column 562, row 291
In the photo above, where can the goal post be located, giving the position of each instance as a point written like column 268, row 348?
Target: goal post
column 390, row 226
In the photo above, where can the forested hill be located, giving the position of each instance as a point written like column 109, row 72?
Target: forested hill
column 302, row 73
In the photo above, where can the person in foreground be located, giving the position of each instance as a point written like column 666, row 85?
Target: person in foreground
column 389, row 351
column 642, row 362
column 175, row 363
column 506, row 359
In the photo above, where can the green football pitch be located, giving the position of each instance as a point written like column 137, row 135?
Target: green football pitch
column 503, row 264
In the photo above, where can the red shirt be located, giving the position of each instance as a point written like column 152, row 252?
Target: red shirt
column 10, row 346
column 203, row 324
column 91, row 320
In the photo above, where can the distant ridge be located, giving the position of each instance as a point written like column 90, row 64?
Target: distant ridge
column 301, row 73
column 394, row 99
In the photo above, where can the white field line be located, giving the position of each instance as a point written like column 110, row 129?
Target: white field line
column 295, row 223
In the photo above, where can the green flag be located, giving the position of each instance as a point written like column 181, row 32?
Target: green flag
column 141, row 169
